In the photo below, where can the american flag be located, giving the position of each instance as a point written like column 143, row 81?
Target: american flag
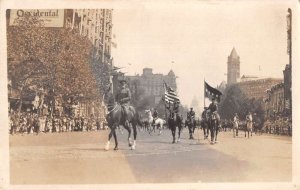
column 170, row 95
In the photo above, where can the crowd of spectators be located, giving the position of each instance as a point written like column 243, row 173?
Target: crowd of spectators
column 278, row 126
column 29, row 122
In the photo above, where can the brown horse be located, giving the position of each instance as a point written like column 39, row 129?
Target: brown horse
column 214, row 122
column 115, row 117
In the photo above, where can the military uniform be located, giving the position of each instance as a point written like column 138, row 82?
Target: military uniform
column 155, row 115
column 123, row 97
column 192, row 114
column 214, row 108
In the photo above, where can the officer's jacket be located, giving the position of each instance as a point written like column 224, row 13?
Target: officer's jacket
column 213, row 107
column 123, row 96
column 192, row 114
column 155, row 114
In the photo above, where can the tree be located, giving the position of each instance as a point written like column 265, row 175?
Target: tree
column 57, row 60
column 235, row 101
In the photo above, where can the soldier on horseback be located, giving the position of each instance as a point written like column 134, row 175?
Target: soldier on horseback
column 123, row 97
column 204, row 122
column 191, row 122
column 214, row 120
column 213, row 109
column 191, row 114
column 155, row 116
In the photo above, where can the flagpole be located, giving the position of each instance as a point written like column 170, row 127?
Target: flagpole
column 165, row 102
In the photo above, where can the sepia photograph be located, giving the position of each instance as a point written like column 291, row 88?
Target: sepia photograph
column 175, row 92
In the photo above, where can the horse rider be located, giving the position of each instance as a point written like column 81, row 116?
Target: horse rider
column 203, row 115
column 213, row 109
column 236, row 124
column 123, row 97
column 176, row 107
column 249, row 120
column 155, row 116
column 249, row 117
column 191, row 115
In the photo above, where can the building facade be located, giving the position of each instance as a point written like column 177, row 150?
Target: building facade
column 96, row 25
column 257, row 88
column 287, row 78
column 152, row 84
column 274, row 102
column 233, row 67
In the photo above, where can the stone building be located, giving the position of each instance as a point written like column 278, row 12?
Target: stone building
column 152, row 83
column 287, row 75
column 233, row 67
column 96, row 25
column 257, row 88
column 274, row 102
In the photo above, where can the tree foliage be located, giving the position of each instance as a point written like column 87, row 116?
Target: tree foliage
column 56, row 59
column 235, row 101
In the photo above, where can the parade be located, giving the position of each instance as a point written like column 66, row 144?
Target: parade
column 137, row 95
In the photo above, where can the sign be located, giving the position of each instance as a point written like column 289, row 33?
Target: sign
column 49, row 17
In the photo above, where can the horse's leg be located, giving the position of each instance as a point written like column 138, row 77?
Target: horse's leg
column 112, row 130
column 129, row 135
column 211, row 134
column 173, row 133
column 159, row 128
column 217, row 131
column 207, row 131
column 179, row 130
column 116, row 140
column 134, row 136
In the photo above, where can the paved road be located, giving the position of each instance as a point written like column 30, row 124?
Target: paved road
column 79, row 158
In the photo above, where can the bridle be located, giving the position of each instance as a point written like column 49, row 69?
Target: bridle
column 116, row 106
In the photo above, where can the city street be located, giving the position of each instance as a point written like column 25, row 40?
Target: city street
column 79, row 158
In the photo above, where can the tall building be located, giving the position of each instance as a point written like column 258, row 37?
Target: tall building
column 233, row 68
column 274, row 101
column 152, row 84
column 257, row 88
column 96, row 25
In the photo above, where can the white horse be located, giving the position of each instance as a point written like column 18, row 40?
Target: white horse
column 235, row 127
column 157, row 123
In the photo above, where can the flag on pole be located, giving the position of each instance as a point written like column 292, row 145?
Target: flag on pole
column 170, row 95
column 211, row 92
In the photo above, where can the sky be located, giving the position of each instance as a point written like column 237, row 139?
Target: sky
column 194, row 39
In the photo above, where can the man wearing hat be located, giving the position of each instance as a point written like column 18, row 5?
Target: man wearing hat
column 191, row 117
column 191, row 114
column 155, row 116
column 213, row 108
column 123, row 97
